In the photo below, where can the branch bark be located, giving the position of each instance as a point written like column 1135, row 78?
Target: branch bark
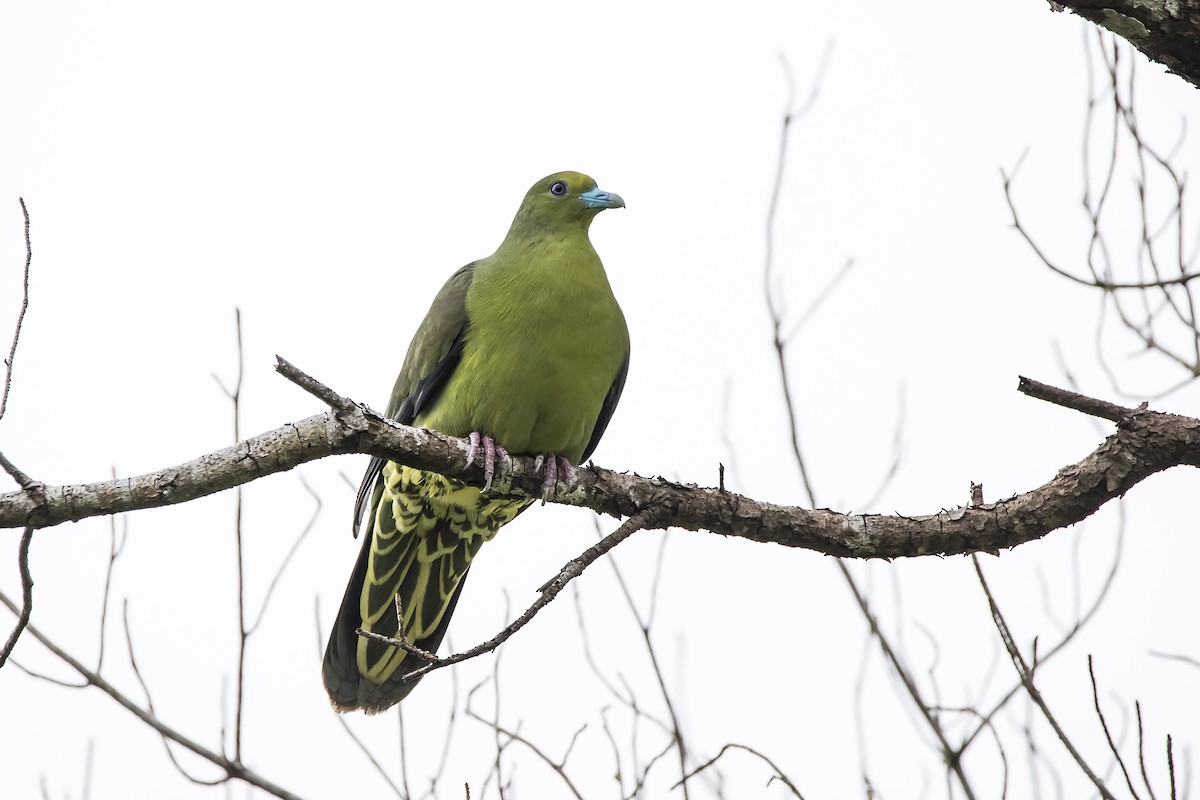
column 1145, row 442
column 1166, row 31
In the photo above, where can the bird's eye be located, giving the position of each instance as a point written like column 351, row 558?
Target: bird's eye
column 558, row 188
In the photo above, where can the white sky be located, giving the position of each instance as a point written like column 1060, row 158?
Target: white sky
column 325, row 168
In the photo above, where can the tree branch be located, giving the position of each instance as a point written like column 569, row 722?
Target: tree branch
column 1166, row 31
column 232, row 768
column 1146, row 442
column 12, row 351
column 26, row 596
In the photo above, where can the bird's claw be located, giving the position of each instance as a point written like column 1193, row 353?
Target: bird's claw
column 494, row 459
column 557, row 469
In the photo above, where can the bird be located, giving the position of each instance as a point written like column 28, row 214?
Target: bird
column 524, row 352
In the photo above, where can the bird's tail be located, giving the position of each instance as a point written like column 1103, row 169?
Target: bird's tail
column 422, row 531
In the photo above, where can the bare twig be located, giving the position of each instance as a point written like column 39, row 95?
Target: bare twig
column 780, row 342
column 287, row 559
column 1161, row 316
column 1176, row 657
column 675, row 729
column 235, row 396
column 790, row 115
column 571, row 570
column 1112, row 746
column 533, row 748
column 819, row 300
column 1171, row 766
column 114, row 552
column 1137, row 706
column 12, row 351
column 27, row 484
column 1082, row 620
column 233, row 769
column 341, row 718
column 23, row 480
column 451, row 720
column 897, row 454
column 498, row 763
column 137, row 673
column 48, row 679
column 951, row 755
column 779, row 775
column 590, row 657
column 88, row 761
column 1024, row 672
column 1075, row 401
column 26, row 596
column 403, row 754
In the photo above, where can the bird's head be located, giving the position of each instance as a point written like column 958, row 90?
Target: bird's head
column 564, row 199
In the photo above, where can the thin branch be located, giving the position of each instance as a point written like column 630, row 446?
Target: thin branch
column 88, row 761
column 47, row 678
column 26, row 596
column 675, row 730
column 1075, row 401
column 779, row 775
column 776, row 313
column 951, row 756
column 819, row 301
column 1024, row 672
column 1112, row 746
column 341, row 718
column 1079, row 624
column 308, row 527
column 1095, row 281
column 12, row 351
column 780, row 344
column 137, row 673
column 451, row 720
column 571, row 570
column 1171, row 766
column 498, row 765
column 517, row 737
column 233, row 769
column 403, row 754
column 114, row 552
column 897, row 455
column 1137, row 706
column 235, row 397
column 26, row 483
column 1176, row 657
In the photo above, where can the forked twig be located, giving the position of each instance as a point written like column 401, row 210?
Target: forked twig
column 233, row 769
column 571, row 570
column 1025, row 673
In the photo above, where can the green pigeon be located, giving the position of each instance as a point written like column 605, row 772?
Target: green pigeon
column 522, row 352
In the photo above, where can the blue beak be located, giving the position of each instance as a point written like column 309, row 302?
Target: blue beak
column 598, row 198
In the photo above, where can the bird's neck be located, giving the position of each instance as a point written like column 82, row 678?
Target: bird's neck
column 550, row 274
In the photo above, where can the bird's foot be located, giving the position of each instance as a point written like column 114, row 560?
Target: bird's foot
column 556, row 470
column 495, row 459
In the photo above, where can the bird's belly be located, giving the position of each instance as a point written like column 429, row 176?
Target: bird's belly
column 549, row 406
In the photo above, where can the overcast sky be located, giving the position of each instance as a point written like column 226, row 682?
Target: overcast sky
column 325, row 168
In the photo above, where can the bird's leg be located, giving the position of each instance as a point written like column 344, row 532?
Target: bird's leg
column 557, row 469
column 494, row 458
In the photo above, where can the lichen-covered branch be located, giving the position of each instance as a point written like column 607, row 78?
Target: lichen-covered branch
column 1145, row 442
column 1166, row 31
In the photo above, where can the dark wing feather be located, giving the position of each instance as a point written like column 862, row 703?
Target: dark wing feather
column 432, row 357
column 606, row 411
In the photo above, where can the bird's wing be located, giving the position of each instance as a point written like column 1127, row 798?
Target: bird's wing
column 434, row 353
column 606, row 410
